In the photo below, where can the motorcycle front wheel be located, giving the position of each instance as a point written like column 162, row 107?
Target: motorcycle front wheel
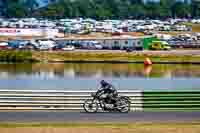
column 90, row 106
column 124, row 105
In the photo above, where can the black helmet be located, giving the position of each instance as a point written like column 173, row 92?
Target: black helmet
column 103, row 83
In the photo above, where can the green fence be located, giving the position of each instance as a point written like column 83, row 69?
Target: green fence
column 171, row 101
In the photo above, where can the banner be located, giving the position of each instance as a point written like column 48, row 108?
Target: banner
column 28, row 32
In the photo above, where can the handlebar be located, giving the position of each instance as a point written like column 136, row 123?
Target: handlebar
column 96, row 94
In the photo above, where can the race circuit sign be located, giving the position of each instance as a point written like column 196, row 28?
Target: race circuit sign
column 27, row 32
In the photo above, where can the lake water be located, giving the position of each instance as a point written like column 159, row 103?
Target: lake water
column 75, row 76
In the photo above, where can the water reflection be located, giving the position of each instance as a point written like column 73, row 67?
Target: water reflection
column 86, row 76
column 74, row 70
column 147, row 70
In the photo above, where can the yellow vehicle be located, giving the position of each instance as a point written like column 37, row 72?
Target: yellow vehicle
column 159, row 45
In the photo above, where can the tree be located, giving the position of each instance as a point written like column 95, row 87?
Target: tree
column 182, row 10
column 31, row 5
column 137, row 11
column 123, row 10
column 152, row 9
column 167, row 8
column 15, row 9
column 195, row 8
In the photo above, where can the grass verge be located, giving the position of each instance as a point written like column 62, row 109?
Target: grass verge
column 16, row 56
column 98, row 124
column 118, row 57
column 168, row 57
column 148, row 127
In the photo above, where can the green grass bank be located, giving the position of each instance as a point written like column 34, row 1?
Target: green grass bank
column 16, row 56
column 167, row 57
column 116, row 57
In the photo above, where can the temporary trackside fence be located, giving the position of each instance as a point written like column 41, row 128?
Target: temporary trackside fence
column 73, row 100
column 173, row 100
column 55, row 100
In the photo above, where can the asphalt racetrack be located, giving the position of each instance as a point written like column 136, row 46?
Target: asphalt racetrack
column 62, row 116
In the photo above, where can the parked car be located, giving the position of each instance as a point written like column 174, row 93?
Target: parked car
column 129, row 49
column 3, row 45
column 44, row 44
column 17, row 43
column 98, row 46
column 68, row 48
column 159, row 45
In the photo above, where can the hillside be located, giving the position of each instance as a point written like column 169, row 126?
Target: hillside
column 21, row 8
column 117, row 9
column 101, row 9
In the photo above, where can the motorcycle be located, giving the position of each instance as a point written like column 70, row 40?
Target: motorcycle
column 92, row 105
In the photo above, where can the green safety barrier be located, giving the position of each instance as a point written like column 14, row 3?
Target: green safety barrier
column 171, row 101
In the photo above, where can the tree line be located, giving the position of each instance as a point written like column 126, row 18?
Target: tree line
column 106, row 9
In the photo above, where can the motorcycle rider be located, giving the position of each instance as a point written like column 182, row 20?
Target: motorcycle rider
column 109, row 93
